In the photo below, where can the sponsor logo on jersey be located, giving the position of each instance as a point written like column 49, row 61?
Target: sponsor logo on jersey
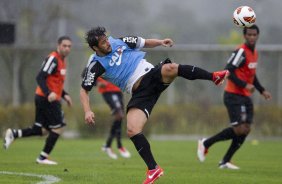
column 252, row 65
column 117, row 56
column 89, row 78
column 130, row 39
column 63, row 71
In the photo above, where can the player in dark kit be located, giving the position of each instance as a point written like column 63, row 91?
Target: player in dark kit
column 239, row 87
column 114, row 98
column 122, row 63
column 49, row 92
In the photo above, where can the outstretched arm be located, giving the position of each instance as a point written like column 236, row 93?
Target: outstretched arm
column 151, row 43
column 138, row 42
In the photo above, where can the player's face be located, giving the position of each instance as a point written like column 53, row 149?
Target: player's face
column 251, row 37
column 104, row 46
column 64, row 48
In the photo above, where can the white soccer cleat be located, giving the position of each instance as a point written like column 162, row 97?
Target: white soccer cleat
column 9, row 138
column 202, row 151
column 110, row 152
column 124, row 152
column 228, row 165
column 46, row 161
column 103, row 148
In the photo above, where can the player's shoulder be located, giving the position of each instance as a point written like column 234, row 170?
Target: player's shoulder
column 240, row 50
column 90, row 59
column 52, row 56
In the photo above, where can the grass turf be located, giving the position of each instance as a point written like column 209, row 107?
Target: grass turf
column 82, row 161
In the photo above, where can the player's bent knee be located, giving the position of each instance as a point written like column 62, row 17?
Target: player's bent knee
column 242, row 129
column 247, row 130
column 170, row 69
column 118, row 116
column 58, row 131
column 131, row 132
column 239, row 130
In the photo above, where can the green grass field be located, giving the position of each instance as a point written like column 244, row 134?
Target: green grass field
column 81, row 161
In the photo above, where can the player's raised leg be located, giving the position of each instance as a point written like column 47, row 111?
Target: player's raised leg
column 171, row 70
column 12, row 134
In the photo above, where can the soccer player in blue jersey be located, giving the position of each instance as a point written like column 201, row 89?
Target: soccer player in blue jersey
column 121, row 62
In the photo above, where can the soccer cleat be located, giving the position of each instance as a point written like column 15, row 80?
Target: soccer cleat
column 110, row 152
column 153, row 175
column 124, row 152
column 219, row 76
column 46, row 161
column 9, row 138
column 103, row 148
column 228, row 165
column 202, row 151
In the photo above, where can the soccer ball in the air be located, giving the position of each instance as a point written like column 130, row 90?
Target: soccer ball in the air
column 244, row 16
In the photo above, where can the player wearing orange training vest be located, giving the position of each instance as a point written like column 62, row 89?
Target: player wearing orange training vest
column 240, row 85
column 49, row 92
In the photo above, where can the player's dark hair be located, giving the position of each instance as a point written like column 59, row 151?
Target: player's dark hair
column 93, row 35
column 252, row 27
column 62, row 38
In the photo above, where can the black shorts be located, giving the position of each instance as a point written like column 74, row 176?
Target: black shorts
column 148, row 92
column 48, row 115
column 114, row 100
column 240, row 108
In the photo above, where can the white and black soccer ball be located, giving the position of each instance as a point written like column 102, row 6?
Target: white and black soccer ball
column 244, row 16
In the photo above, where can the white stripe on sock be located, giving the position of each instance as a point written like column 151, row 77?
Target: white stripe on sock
column 20, row 133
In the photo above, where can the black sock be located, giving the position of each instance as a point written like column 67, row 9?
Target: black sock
column 50, row 142
column 118, row 133
column 35, row 130
column 225, row 134
column 110, row 138
column 30, row 131
column 17, row 133
column 27, row 132
column 192, row 73
column 43, row 155
column 235, row 145
column 113, row 133
column 143, row 147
